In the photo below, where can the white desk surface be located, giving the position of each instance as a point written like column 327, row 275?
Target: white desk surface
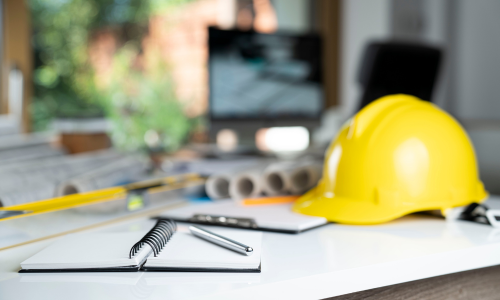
column 323, row 262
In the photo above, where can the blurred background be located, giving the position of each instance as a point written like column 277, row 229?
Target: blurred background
column 158, row 81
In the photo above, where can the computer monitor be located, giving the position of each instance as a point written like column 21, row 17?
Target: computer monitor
column 264, row 80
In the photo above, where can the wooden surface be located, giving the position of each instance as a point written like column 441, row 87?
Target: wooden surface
column 481, row 284
column 85, row 142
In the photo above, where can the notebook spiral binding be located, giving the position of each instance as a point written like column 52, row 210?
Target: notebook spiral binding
column 157, row 237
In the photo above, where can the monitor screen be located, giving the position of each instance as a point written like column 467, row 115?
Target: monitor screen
column 264, row 76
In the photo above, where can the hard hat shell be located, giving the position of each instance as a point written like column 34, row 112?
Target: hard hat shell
column 397, row 156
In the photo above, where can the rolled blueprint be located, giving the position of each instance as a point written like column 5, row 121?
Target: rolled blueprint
column 290, row 177
column 217, row 186
column 28, row 193
column 23, row 147
column 35, row 180
column 305, row 177
column 51, row 170
column 29, row 153
column 115, row 173
column 17, row 141
column 66, row 160
column 247, row 183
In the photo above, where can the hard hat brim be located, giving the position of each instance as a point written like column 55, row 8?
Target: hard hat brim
column 348, row 211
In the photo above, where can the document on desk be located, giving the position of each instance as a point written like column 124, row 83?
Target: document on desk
column 272, row 217
column 163, row 248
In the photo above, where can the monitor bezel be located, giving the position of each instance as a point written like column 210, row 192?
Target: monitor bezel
column 266, row 121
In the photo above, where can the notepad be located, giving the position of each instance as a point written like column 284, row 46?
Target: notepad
column 101, row 252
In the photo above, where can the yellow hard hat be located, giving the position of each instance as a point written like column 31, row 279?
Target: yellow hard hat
column 397, row 156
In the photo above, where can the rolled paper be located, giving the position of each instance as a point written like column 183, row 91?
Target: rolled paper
column 217, row 186
column 120, row 171
column 248, row 183
column 305, row 177
column 291, row 177
column 218, row 183
column 34, row 180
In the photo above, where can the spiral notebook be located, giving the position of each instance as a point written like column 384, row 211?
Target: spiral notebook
column 163, row 248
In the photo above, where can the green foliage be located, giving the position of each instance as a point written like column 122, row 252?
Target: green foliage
column 60, row 39
column 64, row 79
column 138, row 102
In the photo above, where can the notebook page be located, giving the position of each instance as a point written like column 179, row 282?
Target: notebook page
column 187, row 251
column 93, row 250
column 279, row 216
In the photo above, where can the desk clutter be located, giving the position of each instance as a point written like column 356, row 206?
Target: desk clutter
column 397, row 183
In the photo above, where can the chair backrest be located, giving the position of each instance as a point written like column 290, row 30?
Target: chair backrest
column 397, row 67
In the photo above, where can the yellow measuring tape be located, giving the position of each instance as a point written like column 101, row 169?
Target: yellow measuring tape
column 103, row 195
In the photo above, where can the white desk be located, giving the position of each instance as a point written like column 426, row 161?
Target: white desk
column 324, row 262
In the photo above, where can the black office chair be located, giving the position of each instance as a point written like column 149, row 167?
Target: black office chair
column 396, row 67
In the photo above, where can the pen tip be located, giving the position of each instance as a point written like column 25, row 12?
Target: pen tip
column 249, row 249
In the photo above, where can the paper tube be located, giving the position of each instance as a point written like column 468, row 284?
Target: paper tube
column 38, row 179
column 27, row 194
column 29, row 153
column 217, row 185
column 305, row 177
column 117, row 172
column 55, row 169
column 291, row 177
column 247, row 183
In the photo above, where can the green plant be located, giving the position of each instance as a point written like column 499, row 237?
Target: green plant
column 65, row 82
column 138, row 102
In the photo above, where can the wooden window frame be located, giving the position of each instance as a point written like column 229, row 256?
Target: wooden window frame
column 16, row 50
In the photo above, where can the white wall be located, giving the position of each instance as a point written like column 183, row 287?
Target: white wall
column 478, row 60
column 486, row 142
column 435, row 18
column 362, row 21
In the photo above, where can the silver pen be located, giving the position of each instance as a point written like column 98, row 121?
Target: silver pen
column 220, row 240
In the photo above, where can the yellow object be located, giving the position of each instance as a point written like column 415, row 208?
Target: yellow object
column 397, row 156
column 269, row 200
column 103, row 195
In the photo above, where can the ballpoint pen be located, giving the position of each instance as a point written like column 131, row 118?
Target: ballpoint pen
column 220, row 240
